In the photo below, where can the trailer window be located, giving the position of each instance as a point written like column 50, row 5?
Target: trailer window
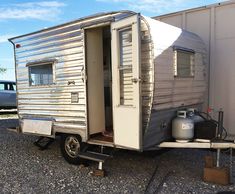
column 125, row 67
column 41, row 74
column 184, row 63
column 14, row 86
column 7, row 86
column 2, row 86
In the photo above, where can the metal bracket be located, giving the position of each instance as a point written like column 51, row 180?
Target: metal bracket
column 43, row 142
column 135, row 80
column 84, row 77
column 71, row 82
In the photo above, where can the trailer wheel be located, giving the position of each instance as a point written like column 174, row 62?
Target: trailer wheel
column 70, row 146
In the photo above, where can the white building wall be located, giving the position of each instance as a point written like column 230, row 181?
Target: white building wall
column 215, row 25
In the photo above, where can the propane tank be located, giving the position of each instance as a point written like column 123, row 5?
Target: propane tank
column 191, row 115
column 182, row 127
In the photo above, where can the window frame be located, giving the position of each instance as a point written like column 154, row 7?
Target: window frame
column 122, row 68
column 176, row 50
column 40, row 63
column 8, row 86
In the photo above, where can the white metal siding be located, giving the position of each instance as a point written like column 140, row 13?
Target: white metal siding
column 147, row 73
column 170, row 91
column 214, row 24
column 65, row 45
column 53, row 101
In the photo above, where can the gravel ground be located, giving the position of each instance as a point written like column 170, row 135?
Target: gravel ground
column 26, row 169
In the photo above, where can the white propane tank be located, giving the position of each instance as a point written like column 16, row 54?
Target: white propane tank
column 191, row 115
column 182, row 127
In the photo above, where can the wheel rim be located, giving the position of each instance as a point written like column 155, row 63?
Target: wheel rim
column 72, row 146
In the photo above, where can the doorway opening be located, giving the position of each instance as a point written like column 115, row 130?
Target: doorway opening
column 99, row 84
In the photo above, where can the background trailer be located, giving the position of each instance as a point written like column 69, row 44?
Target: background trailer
column 112, row 79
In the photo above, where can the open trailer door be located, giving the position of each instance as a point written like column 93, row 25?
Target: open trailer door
column 126, row 82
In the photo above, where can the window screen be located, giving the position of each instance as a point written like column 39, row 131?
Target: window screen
column 125, row 67
column 41, row 75
column 184, row 63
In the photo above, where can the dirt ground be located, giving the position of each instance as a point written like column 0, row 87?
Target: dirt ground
column 26, row 169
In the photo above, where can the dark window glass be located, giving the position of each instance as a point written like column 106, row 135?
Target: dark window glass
column 40, row 75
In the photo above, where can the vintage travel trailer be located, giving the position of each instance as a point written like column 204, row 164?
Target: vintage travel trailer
column 112, row 79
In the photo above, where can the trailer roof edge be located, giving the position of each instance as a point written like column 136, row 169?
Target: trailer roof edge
column 71, row 22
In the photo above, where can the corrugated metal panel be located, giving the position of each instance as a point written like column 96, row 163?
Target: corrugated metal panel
column 65, row 44
column 213, row 24
column 174, row 87
column 171, row 91
column 147, row 73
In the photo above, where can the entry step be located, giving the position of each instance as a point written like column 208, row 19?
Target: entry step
column 98, row 157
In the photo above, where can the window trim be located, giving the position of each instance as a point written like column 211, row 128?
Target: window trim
column 39, row 63
column 192, row 66
column 121, row 67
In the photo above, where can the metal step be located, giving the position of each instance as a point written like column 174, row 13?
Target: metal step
column 97, row 157
column 44, row 142
column 99, row 142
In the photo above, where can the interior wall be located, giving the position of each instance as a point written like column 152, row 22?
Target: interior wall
column 107, row 78
column 95, row 80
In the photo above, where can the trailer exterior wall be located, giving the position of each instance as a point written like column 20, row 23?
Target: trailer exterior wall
column 161, row 93
column 215, row 25
column 171, row 92
column 65, row 45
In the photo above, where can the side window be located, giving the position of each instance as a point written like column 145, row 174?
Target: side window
column 125, row 67
column 14, row 86
column 10, row 87
column 2, row 86
column 7, row 86
column 184, row 63
column 41, row 74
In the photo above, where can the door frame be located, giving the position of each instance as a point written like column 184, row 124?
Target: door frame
column 132, row 22
column 98, row 24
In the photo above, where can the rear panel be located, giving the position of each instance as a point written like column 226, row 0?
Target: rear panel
column 172, row 92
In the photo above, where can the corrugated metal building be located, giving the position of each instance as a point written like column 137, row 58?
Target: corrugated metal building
column 214, row 24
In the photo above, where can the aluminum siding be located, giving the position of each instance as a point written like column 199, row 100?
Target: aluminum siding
column 214, row 24
column 147, row 73
column 172, row 93
column 65, row 45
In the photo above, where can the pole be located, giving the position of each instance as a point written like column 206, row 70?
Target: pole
column 220, row 124
column 218, row 158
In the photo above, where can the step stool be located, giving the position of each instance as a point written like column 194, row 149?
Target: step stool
column 97, row 157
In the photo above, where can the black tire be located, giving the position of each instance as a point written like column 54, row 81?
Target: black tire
column 70, row 146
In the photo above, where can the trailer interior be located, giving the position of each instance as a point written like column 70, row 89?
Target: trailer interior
column 99, row 84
